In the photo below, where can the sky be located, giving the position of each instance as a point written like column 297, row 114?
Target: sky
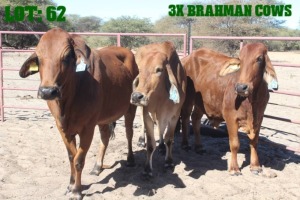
column 152, row 9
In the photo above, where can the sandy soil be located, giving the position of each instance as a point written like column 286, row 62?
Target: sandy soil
column 34, row 163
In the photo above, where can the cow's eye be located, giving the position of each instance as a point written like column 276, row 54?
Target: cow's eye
column 260, row 59
column 68, row 57
column 159, row 70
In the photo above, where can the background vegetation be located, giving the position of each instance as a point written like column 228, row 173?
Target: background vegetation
column 217, row 26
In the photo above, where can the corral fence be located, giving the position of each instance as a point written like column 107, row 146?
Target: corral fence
column 118, row 36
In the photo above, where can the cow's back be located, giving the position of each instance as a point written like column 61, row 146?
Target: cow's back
column 203, row 67
column 122, row 54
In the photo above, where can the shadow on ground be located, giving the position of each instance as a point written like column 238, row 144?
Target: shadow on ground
column 215, row 142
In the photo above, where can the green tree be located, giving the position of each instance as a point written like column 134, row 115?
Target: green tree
column 126, row 24
column 169, row 24
column 222, row 26
column 22, row 41
column 84, row 24
column 235, row 26
column 73, row 23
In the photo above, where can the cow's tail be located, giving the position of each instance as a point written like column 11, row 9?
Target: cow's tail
column 112, row 130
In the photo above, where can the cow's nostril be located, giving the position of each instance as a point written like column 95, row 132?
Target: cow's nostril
column 140, row 96
column 48, row 93
column 54, row 92
column 137, row 96
column 244, row 87
column 241, row 87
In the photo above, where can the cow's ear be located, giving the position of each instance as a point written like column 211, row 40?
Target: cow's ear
column 230, row 66
column 270, row 75
column 173, row 86
column 82, row 52
column 30, row 66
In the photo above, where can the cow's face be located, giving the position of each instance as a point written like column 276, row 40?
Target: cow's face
column 255, row 67
column 55, row 58
column 152, row 79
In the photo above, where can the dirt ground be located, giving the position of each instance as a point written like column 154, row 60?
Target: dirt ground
column 34, row 162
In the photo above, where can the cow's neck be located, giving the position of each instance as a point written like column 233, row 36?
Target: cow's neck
column 259, row 92
column 69, row 93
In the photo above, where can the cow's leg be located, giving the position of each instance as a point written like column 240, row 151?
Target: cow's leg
column 142, row 139
column 129, row 118
column 161, row 146
column 85, row 137
column 105, row 133
column 196, row 117
column 169, row 140
column 186, row 111
column 254, row 161
column 185, row 118
column 151, row 144
column 234, row 143
column 70, row 143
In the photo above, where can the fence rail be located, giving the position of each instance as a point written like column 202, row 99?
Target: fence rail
column 239, row 38
column 118, row 39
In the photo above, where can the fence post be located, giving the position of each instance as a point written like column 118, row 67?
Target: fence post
column 1, row 81
column 184, row 44
column 241, row 44
column 191, row 45
column 119, row 40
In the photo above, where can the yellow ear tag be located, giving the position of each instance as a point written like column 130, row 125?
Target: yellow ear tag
column 234, row 67
column 33, row 67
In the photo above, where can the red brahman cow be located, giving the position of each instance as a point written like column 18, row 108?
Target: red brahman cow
column 230, row 89
column 83, row 88
column 160, row 90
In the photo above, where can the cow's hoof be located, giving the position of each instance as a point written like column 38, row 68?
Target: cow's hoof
column 96, row 170
column 130, row 164
column 69, row 190
column 169, row 165
column 147, row 175
column 73, row 194
column 199, row 149
column 130, row 161
column 141, row 143
column 256, row 170
column 162, row 149
column 186, row 147
column 235, row 173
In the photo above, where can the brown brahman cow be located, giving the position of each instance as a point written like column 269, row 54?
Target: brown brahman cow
column 160, row 90
column 230, row 89
column 83, row 88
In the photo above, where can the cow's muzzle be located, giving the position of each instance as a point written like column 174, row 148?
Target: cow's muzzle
column 138, row 99
column 48, row 93
column 242, row 89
